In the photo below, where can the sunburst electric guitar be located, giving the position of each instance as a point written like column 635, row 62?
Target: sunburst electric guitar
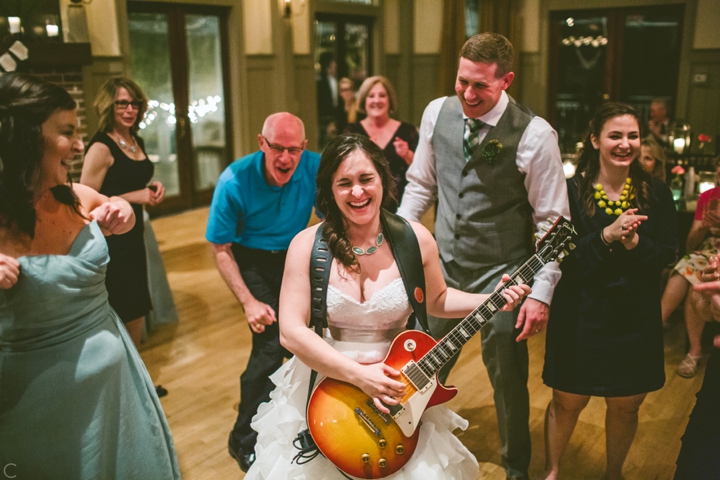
column 364, row 442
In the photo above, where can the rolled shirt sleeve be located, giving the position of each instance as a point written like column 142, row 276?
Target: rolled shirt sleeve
column 538, row 157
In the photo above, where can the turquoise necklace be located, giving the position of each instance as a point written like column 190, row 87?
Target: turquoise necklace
column 370, row 250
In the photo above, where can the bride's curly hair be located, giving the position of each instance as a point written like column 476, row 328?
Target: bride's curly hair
column 335, row 153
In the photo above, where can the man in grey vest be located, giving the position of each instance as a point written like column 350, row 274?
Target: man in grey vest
column 495, row 170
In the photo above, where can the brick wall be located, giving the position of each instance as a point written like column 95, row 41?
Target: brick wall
column 70, row 78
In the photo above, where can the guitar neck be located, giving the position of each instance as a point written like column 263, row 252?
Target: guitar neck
column 449, row 345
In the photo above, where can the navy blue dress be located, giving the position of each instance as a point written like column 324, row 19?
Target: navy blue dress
column 605, row 334
column 127, row 279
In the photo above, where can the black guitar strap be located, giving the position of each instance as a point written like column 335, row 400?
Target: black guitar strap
column 406, row 250
column 320, row 263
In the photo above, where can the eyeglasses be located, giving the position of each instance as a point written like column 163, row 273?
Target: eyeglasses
column 124, row 104
column 280, row 149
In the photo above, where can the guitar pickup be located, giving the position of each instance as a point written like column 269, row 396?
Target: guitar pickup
column 395, row 410
column 417, row 377
column 384, row 416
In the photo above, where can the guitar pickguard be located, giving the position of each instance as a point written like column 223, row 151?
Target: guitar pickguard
column 408, row 418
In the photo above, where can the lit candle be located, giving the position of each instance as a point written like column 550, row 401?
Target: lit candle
column 679, row 145
column 14, row 23
column 52, row 30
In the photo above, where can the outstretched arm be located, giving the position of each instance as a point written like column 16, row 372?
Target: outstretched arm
column 444, row 302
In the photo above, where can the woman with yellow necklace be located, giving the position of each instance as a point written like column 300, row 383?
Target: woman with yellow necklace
column 605, row 334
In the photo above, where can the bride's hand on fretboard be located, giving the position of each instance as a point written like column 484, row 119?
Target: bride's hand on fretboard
column 513, row 295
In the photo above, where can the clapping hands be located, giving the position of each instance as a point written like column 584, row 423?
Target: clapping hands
column 624, row 229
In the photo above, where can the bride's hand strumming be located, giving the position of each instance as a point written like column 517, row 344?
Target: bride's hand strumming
column 375, row 380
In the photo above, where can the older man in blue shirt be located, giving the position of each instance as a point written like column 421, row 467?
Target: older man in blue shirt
column 260, row 203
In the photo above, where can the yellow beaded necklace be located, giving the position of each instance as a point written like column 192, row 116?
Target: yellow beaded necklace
column 619, row 206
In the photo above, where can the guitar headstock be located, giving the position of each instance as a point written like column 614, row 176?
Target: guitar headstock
column 554, row 244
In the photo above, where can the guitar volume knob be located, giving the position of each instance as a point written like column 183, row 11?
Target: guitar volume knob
column 382, row 443
column 382, row 463
column 400, row 449
column 365, row 458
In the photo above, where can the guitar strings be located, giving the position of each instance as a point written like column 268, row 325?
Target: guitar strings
column 466, row 329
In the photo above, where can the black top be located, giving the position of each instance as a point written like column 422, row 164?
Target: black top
column 126, row 276
column 605, row 333
column 398, row 166
column 125, row 174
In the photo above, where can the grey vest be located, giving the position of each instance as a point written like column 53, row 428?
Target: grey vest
column 484, row 218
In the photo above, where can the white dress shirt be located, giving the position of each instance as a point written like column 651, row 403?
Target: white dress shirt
column 538, row 157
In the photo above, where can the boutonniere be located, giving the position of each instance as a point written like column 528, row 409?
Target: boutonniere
column 491, row 150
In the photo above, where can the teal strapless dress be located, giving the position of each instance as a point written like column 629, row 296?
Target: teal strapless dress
column 76, row 401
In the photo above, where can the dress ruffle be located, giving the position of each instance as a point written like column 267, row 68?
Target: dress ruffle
column 439, row 454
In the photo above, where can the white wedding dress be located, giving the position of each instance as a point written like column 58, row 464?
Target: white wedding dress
column 363, row 332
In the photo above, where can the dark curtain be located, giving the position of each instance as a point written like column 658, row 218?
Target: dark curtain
column 453, row 38
column 502, row 16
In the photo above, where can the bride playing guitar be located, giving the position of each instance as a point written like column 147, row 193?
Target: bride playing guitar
column 354, row 182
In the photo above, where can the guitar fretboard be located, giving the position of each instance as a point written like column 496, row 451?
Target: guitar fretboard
column 446, row 348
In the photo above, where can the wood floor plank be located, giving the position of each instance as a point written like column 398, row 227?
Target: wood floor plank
column 200, row 359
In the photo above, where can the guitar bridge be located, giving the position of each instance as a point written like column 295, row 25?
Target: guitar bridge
column 368, row 423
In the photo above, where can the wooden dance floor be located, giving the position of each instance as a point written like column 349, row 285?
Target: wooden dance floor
column 200, row 359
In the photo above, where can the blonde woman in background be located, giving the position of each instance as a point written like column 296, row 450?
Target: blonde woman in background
column 398, row 140
column 652, row 158
column 116, row 164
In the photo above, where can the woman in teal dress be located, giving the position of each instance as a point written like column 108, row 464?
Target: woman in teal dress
column 75, row 399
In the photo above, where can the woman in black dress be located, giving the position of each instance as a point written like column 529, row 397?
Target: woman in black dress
column 398, row 140
column 605, row 334
column 116, row 165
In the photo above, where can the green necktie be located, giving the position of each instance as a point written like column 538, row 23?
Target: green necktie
column 471, row 140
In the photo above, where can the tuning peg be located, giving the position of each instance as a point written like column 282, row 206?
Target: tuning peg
column 550, row 220
column 565, row 253
column 559, row 259
column 572, row 246
column 536, row 235
column 544, row 228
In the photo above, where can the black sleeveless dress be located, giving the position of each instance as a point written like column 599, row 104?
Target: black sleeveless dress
column 126, row 278
column 398, row 165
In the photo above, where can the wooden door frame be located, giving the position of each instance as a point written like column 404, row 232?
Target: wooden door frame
column 179, row 65
column 340, row 20
column 614, row 58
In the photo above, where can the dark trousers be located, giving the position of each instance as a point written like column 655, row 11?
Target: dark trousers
column 506, row 361
column 700, row 452
column 262, row 273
